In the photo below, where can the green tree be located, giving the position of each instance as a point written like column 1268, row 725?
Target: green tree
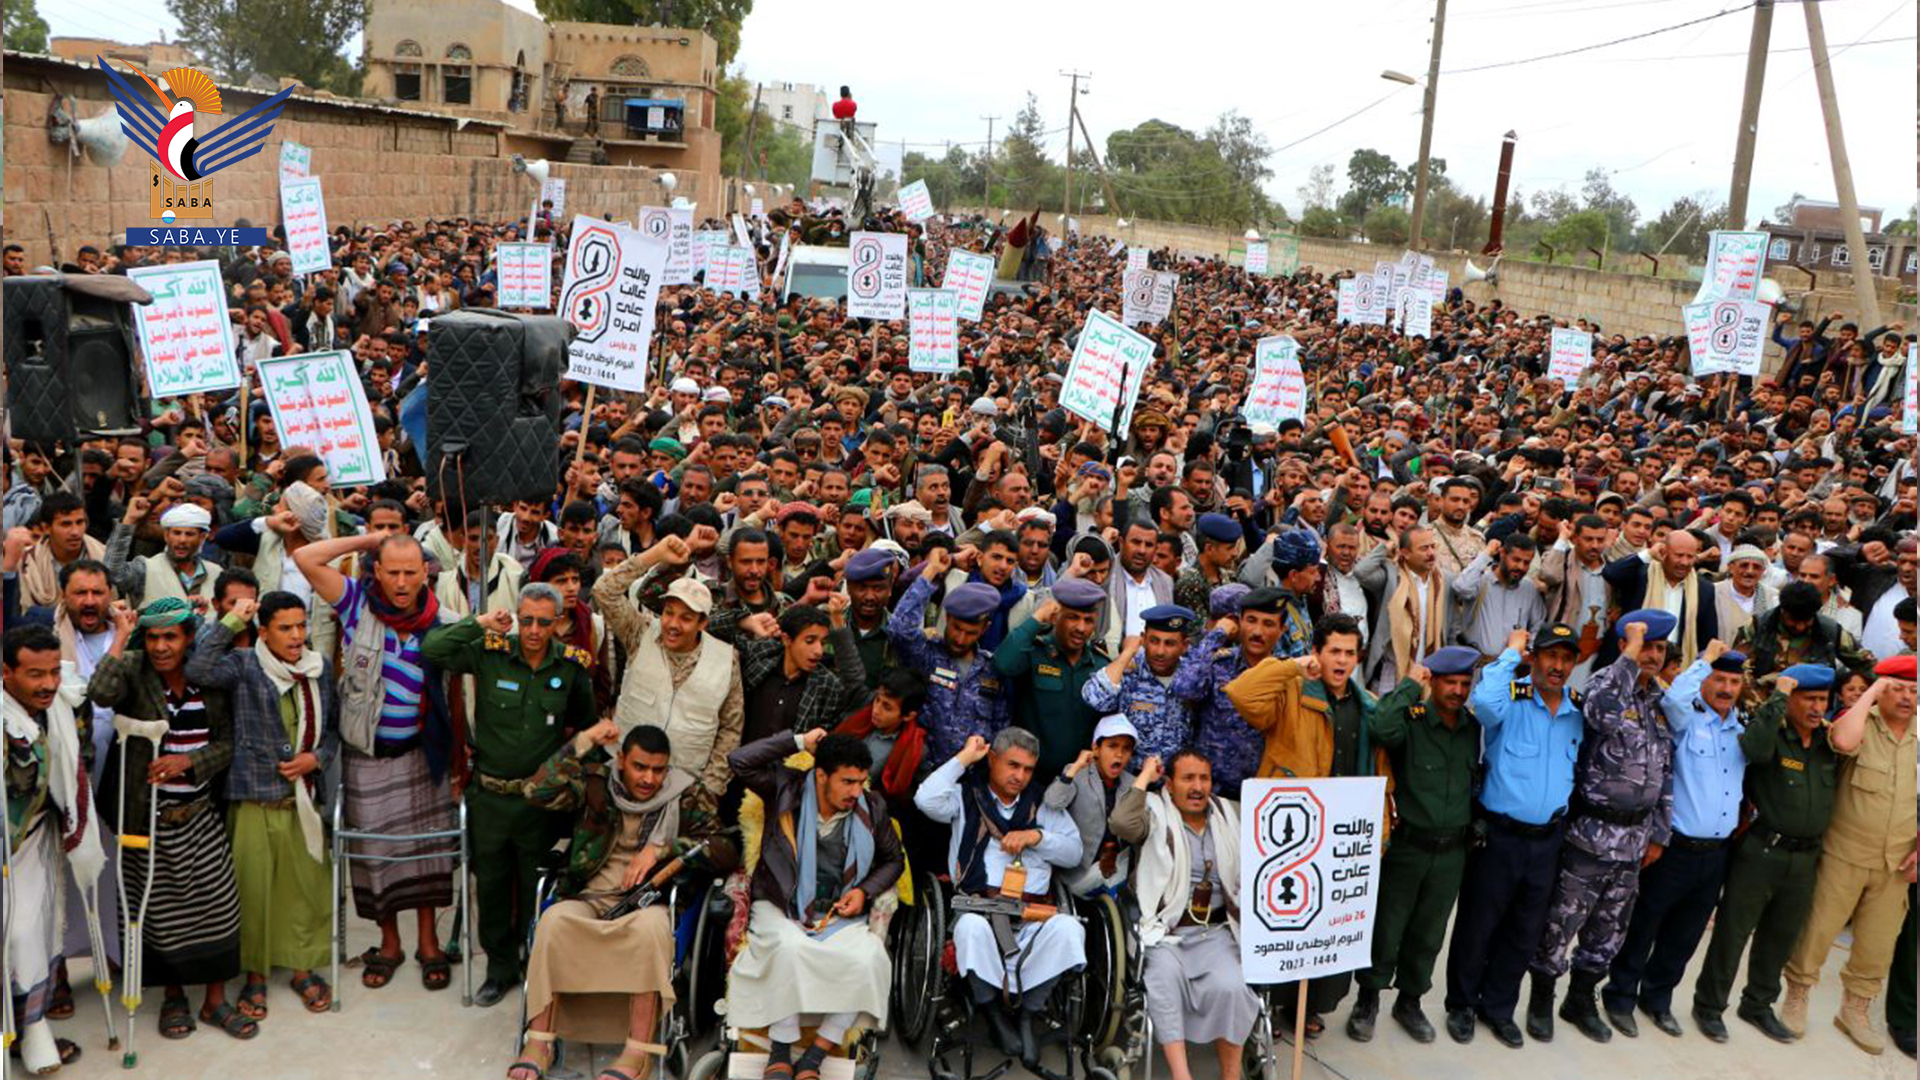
column 1372, row 179
column 1318, row 190
column 25, row 29
column 1597, row 193
column 1455, row 218
column 1031, row 180
column 1576, row 232
column 1682, row 228
column 1783, row 214
column 731, row 104
column 1386, row 225
column 1324, row 222
column 782, row 153
column 298, row 39
column 720, row 19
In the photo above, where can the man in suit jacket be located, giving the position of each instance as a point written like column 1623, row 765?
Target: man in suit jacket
column 1663, row 576
column 1135, row 585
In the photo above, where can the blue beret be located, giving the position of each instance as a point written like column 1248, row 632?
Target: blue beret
column 1168, row 617
column 1734, row 662
column 869, row 564
column 1660, row 623
column 1296, row 548
column 974, row 600
column 1224, row 601
column 1810, row 676
column 1078, row 594
column 1452, row 660
column 1219, row 527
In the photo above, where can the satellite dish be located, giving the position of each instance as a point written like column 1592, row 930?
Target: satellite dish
column 102, row 137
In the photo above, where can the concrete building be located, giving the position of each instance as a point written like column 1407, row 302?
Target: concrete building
column 653, row 88
column 795, row 104
column 1814, row 237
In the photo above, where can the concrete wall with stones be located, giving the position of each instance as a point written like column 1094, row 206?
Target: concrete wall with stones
column 376, row 166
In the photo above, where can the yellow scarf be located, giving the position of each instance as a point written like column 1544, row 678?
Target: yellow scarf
column 1406, row 602
column 1659, row 590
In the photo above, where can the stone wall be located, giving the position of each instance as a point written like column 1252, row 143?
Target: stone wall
column 377, row 165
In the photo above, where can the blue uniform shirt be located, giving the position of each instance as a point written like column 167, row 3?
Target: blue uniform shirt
column 1162, row 719
column 962, row 698
column 1529, row 751
column 1709, row 768
column 1219, row 732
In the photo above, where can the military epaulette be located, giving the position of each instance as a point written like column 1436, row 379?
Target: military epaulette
column 1519, row 690
column 497, row 642
column 578, row 655
column 1579, row 699
column 1416, row 712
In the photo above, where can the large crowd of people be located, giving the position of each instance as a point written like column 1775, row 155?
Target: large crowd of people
column 1635, row 654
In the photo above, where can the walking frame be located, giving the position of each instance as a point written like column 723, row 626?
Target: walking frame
column 133, row 921
column 463, row 898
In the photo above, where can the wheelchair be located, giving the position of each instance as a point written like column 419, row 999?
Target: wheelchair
column 698, row 934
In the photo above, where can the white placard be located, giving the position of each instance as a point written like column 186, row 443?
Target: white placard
column 970, row 275
column 1571, row 352
column 317, row 402
column 1348, row 291
column 1370, row 300
column 916, row 201
column 1726, row 335
column 702, row 240
column 1116, row 248
column 1735, row 261
column 1910, row 407
column 1383, row 273
column 1437, row 286
column 877, row 275
column 1109, row 363
column 780, row 263
column 673, row 226
column 1136, row 258
column 186, row 339
column 1136, row 297
column 609, row 293
column 303, row 210
column 757, row 207
column 1285, row 257
column 1309, row 876
column 1256, row 262
column 1279, row 390
column 525, row 273
column 730, row 269
column 555, row 188
column 740, row 234
column 1416, row 312
column 296, row 160
column 656, row 117
column 933, row 330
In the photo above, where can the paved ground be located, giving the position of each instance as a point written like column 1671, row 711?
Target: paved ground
column 403, row 1032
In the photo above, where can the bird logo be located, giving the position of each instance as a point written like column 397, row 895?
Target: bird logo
column 166, row 131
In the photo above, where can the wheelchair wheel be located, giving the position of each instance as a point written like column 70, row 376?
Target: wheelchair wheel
column 710, row 1066
column 1258, row 1061
column 706, row 974
column 918, row 979
column 1106, row 974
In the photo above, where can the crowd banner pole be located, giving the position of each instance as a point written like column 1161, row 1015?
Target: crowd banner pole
column 1299, row 1026
column 586, row 419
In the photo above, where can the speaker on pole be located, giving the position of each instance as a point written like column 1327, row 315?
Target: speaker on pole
column 493, row 404
column 69, row 356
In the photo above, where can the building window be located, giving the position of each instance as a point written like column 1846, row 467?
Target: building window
column 406, row 82
column 456, row 76
column 1812, row 252
column 1913, row 262
column 1876, row 258
column 786, row 112
column 1841, row 256
column 408, row 48
column 1780, row 250
column 631, row 66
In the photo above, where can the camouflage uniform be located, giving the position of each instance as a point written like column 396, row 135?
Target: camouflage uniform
column 1164, row 721
column 960, row 702
column 1296, row 627
column 1625, row 772
column 1201, row 681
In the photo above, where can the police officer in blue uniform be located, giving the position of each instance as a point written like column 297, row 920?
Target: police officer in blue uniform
column 965, row 694
column 1532, row 734
column 1138, row 683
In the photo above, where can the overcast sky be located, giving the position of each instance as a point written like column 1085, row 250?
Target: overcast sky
column 1660, row 113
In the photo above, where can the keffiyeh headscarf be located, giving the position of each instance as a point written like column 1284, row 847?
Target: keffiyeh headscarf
column 168, row 611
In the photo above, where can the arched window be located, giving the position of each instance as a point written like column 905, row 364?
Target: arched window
column 459, row 52
column 631, row 66
column 406, row 77
column 456, row 76
column 408, row 47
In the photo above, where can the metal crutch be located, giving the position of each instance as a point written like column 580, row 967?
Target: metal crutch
column 7, row 1033
column 132, row 921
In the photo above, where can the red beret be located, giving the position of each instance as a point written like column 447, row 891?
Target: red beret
column 1896, row 667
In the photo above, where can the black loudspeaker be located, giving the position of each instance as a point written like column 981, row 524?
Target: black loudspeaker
column 69, row 356
column 493, row 404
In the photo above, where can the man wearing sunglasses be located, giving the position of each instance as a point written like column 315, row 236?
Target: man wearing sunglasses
column 532, row 693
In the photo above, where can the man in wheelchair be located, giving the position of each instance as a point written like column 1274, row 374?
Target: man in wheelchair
column 602, row 961
column 1187, row 877
column 1005, row 843
column 827, row 851
column 1087, row 790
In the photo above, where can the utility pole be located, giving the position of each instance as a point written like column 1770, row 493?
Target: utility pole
column 1750, row 112
column 1500, row 195
column 1426, row 128
column 1073, row 114
column 746, row 150
column 1113, row 201
column 1864, row 293
column 986, row 188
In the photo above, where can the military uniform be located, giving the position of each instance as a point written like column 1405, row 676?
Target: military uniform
column 1622, row 800
column 522, row 715
column 1420, row 874
column 1770, row 884
column 964, row 696
column 1147, row 701
column 1218, row 730
column 1046, row 685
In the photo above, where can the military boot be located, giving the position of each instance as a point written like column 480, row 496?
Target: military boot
column 1581, row 1010
column 1793, row 1011
column 1858, row 1026
column 1540, row 1009
column 1366, row 1009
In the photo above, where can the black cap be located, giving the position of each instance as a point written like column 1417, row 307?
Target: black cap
column 1265, row 599
column 1557, row 634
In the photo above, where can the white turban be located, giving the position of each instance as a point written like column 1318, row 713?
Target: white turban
column 186, row 516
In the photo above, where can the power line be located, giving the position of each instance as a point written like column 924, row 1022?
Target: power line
column 1601, row 45
column 1322, row 131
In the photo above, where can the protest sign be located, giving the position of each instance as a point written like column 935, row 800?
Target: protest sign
column 1370, row 300
column 1383, row 272
column 916, row 201
column 1136, row 258
column 526, row 276
column 185, row 338
column 1726, row 335
column 1285, row 256
column 1104, row 376
column 1571, row 350
column 1257, row 257
column 1116, row 248
column 317, row 402
column 757, row 207
column 296, row 160
column 1309, row 876
column 1437, row 286
column 1279, row 390
column 731, row 268
column 555, row 189
column 877, row 275
column 1416, row 312
column 702, row 240
column 1735, row 261
column 1348, row 290
column 1910, row 406
column 970, row 275
column 933, row 330
column 780, row 261
column 612, row 282
column 304, row 212
column 1165, row 282
column 672, row 226
column 740, row 234
column 1138, row 297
